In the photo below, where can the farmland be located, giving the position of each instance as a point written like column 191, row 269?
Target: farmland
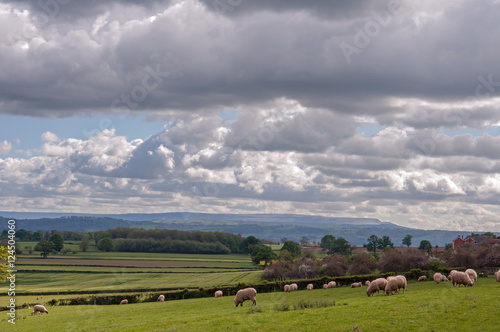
column 99, row 272
column 424, row 307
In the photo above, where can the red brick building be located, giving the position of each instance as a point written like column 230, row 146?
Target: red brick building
column 473, row 239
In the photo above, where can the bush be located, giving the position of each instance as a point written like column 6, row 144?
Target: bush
column 283, row 306
column 255, row 309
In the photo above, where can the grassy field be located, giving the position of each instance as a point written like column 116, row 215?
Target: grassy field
column 424, row 307
column 114, row 271
column 75, row 282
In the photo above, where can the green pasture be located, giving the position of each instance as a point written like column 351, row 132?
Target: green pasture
column 243, row 260
column 107, row 269
column 75, row 282
column 425, row 306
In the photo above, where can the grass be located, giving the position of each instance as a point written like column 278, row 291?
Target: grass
column 63, row 281
column 425, row 307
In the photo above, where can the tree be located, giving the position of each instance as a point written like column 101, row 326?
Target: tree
column 448, row 246
column 46, row 248
column 84, row 244
column 246, row 243
column 37, row 236
column 340, row 246
column 260, row 252
column 391, row 261
column 490, row 234
column 335, row 265
column 292, row 247
column 105, row 244
column 58, row 241
column 304, row 240
column 326, row 242
column 373, row 241
column 425, row 245
column 384, row 242
column 407, row 240
column 362, row 263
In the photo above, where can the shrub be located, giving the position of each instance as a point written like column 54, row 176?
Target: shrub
column 391, row 261
column 255, row 309
column 362, row 263
column 283, row 306
column 335, row 265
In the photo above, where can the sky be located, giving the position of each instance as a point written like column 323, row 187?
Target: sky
column 365, row 108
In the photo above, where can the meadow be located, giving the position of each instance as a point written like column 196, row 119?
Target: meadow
column 101, row 272
column 425, row 306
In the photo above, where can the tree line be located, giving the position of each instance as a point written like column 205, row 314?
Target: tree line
column 296, row 265
column 141, row 240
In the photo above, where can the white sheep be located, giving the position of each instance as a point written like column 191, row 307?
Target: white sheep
column 218, row 294
column 310, row 287
column 376, row 285
column 39, row 309
column 325, row 286
column 497, row 275
column 244, row 295
column 402, row 283
column 124, row 301
column 472, row 275
column 422, row 278
column 293, row 287
column 438, row 277
column 356, row 284
column 392, row 286
column 332, row 284
column 286, row 288
column 161, row 298
column 367, row 283
column 460, row 278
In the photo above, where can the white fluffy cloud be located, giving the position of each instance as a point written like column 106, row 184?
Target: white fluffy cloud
column 301, row 139
column 5, row 147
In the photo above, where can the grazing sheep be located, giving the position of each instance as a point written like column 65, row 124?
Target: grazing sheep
column 472, row 275
column 438, row 277
column 287, row 288
column 244, row 295
column 332, row 284
column 124, row 301
column 422, row 278
column 367, row 283
column 392, row 285
column 443, row 278
column 376, row 285
column 497, row 275
column 460, row 278
column 310, row 287
column 356, row 284
column 402, row 283
column 39, row 309
column 218, row 294
column 293, row 287
column 161, row 298
column 325, row 286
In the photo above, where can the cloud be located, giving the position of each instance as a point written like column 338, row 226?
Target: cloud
column 49, row 137
column 404, row 128
column 5, row 147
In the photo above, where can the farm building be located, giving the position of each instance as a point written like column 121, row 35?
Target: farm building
column 473, row 239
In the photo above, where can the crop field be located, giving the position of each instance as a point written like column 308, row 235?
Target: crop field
column 425, row 306
column 102, row 272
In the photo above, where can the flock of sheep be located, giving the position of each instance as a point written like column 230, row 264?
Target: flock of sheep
column 389, row 285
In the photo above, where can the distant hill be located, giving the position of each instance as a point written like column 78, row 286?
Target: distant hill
column 269, row 226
